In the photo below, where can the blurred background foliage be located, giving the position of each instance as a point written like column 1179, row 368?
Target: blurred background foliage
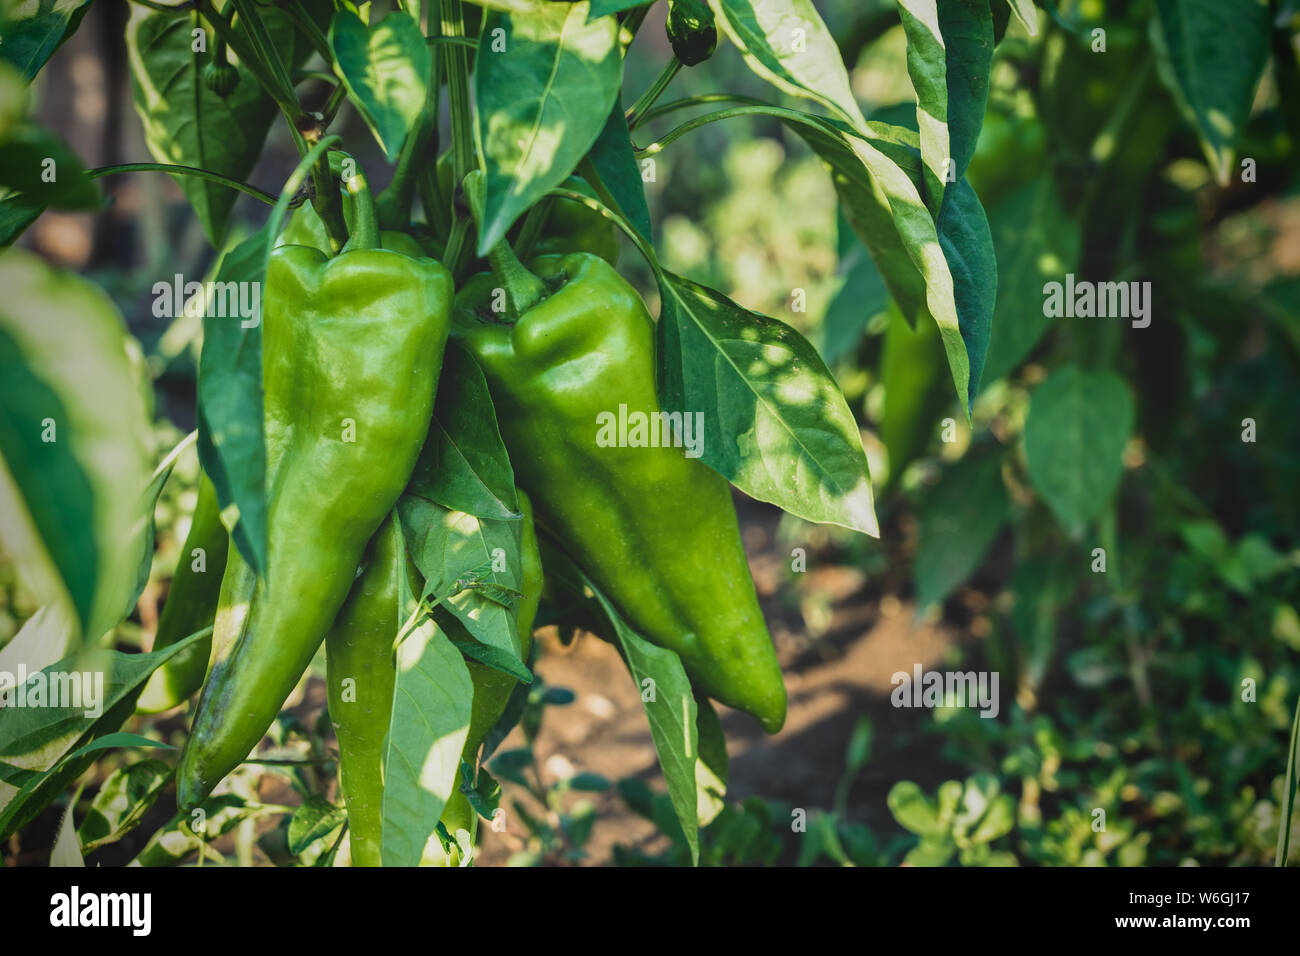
column 1146, row 708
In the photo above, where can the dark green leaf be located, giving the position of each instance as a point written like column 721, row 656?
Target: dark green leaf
column 761, row 384
column 861, row 296
column 16, row 214
column 957, row 523
column 968, row 248
column 1218, row 49
column 42, row 168
column 232, row 443
column 464, row 465
column 544, row 85
column 33, row 31
column 1037, row 241
column 612, row 156
column 1075, row 433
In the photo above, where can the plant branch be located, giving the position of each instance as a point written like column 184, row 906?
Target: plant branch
column 194, row 171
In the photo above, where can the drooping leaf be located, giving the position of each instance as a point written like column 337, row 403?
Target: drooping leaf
column 386, row 68
column 775, row 424
column 968, row 248
column 544, row 85
column 1037, row 241
column 1078, row 424
column 232, row 442
column 1218, row 50
column 787, row 43
column 612, row 156
column 188, row 124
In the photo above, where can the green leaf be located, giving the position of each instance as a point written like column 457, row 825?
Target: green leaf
column 618, row 169
column 16, row 214
column 544, row 86
column 232, row 442
column 927, row 66
column 122, row 801
column 32, row 31
column 41, row 168
column 1027, row 15
column 314, row 820
column 672, row 712
column 784, row 432
column 968, row 248
column 450, row 547
column 787, row 43
column 912, row 809
column 711, row 768
column 464, row 465
column 967, row 30
column 185, row 122
column 861, row 296
column 957, row 523
column 56, row 741
column 912, row 369
column 431, row 712
column 386, row 68
column 170, row 845
column 1036, row 241
column 73, row 432
column 603, row 8
column 1218, row 49
column 1075, row 432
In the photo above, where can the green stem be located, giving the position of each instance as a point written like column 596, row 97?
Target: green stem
column 533, row 225
column 630, row 25
column 647, row 100
column 462, row 129
column 638, row 240
column 701, row 100
column 365, row 221
column 456, row 41
column 253, row 191
column 162, row 7
column 260, row 39
column 587, row 170
column 302, row 19
column 523, row 289
column 291, row 187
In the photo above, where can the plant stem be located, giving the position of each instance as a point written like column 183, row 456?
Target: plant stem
column 462, row 130
column 394, row 203
column 533, row 225
column 648, row 98
column 320, row 43
column 195, row 171
column 523, row 289
column 365, row 222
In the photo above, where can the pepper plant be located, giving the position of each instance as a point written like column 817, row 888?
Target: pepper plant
column 408, row 357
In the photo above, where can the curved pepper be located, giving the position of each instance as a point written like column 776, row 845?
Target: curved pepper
column 361, row 681
column 655, row 530
column 351, row 351
column 191, row 606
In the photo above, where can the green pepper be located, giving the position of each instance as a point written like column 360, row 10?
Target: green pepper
column 361, row 680
column 306, row 228
column 691, row 30
column 351, row 351
column 655, row 530
column 191, row 606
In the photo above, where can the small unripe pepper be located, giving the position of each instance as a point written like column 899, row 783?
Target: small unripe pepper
column 691, row 30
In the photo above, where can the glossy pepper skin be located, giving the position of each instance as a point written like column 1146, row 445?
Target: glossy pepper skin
column 655, row 530
column 191, row 606
column 306, row 228
column 691, row 30
column 351, row 351
column 359, row 647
